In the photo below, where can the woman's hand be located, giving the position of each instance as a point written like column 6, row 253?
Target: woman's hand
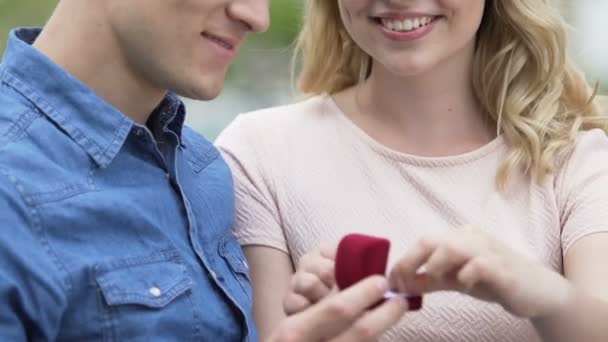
column 314, row 280
column 469, row 261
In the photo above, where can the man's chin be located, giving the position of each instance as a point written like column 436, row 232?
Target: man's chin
column 202, row 92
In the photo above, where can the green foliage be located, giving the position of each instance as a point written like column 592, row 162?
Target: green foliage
column 284, row 23
column 284, row 26
column 15, row 13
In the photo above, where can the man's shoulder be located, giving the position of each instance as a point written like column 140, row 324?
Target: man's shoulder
column 12, row 106
column 196, row 142
column 12, row 201
column 16, row 116
column 34, row 153
column 39, row 176
column 200, row 151
column 16, row 112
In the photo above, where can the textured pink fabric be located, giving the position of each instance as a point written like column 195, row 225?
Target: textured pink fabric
column 304, row 174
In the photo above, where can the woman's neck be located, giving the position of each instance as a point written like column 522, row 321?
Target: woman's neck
column 432, row 114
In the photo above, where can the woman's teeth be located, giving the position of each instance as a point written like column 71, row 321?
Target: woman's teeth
column 406, row 25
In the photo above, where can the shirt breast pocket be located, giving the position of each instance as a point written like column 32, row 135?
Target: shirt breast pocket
column 146, row 297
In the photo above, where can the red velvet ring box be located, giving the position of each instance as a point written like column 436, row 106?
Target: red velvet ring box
column 360, row 256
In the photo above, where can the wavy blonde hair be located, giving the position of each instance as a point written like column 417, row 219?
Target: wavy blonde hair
column 522, row 76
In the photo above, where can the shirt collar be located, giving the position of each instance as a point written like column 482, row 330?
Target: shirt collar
column 169, row 116
column 95, row 125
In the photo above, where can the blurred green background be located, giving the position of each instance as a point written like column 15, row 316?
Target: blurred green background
column 260, row 76
column 22, row 13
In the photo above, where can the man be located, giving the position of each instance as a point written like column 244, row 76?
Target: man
column 115, row 216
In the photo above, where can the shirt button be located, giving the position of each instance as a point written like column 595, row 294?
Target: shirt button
column 155, row 292
column 213, row 275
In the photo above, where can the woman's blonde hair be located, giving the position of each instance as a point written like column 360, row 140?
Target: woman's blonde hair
column 522, row 77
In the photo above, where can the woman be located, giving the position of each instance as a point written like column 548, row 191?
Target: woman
column 426, row 118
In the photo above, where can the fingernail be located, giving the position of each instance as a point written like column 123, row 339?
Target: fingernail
column 421, row 270
column 414, row 303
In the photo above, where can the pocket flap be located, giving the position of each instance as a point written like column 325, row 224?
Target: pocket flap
column 231, row 251
column 152, row 281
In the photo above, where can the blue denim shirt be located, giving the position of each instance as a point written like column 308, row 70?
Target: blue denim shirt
column 109, row 230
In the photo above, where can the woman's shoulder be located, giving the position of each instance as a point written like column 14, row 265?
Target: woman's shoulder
column 290, row 120
column 587, row 156
column 588, row 142
column 301, row 111
column 590, row 137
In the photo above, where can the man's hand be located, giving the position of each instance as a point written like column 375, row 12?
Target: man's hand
column 345, row 316
column 314, row 280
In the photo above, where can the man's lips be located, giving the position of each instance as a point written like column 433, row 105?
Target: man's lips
column 225, row 42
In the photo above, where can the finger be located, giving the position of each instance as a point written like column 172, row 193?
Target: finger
column 329, row 251
column 444, row 263
column 406, row 269
column 310, row 286
column 321, row 266
column 473, row 273
column 337, row 313
column 374, row 323
column 295, row 303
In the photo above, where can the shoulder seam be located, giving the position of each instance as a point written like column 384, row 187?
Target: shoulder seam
column 23, row 121
column 35, row 223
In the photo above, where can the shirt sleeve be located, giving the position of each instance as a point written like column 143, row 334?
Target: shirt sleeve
column 257, row 219
column 31, row 297
column 582, row 189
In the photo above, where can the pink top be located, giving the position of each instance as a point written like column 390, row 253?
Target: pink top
column 305, row 174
